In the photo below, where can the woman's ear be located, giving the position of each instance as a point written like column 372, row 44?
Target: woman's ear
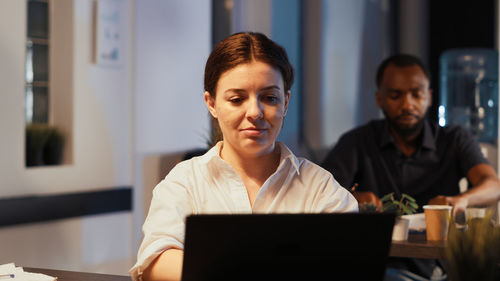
column 210, row 102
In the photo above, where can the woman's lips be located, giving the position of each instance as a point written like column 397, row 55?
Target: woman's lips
column 254, row 131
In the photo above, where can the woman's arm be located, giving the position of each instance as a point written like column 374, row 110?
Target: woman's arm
column 166, row 267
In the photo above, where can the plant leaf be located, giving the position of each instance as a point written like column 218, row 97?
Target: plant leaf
column 387, row 197
column 408, row 197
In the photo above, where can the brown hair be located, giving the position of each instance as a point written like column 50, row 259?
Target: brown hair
column 245, row 47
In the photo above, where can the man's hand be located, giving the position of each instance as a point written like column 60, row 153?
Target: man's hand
column 485, row 190
column 459, row 203
column 367, row 197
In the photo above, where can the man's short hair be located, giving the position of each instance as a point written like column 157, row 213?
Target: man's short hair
column 401, row 60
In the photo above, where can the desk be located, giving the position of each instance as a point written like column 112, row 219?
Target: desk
column 63, row 275
column 417, row 246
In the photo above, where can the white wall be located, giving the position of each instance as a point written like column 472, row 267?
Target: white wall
column 341, row 53
column 99, row 243
column 102, row 111
column 102, row 148
column 253, row 15
column 344, row 41
column 172, row 42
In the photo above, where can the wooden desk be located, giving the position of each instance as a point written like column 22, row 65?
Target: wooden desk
column 63, row 275
column 417, row 246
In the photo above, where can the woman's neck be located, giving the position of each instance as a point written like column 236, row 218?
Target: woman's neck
column 256, row 167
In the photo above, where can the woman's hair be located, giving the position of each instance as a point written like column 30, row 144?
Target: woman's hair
column 245, row 47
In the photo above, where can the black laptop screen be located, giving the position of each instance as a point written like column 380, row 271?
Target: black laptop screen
column 340, row 246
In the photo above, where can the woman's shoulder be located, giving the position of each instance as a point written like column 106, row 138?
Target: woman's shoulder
column 300, row 163
column 318, row 180
column 192, row 163
column 308, row 167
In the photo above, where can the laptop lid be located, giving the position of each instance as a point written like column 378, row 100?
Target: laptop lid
column 340, row 246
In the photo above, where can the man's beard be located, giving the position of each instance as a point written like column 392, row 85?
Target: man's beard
column 406, row 131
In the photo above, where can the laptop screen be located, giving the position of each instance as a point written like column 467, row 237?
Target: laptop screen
column 339, row 246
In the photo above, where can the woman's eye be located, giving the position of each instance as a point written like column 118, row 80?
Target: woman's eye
column 271, row 99
column 236, row 100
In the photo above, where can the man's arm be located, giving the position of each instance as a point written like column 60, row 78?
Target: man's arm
column 485, row 190
column 166, row 267
column 367, row 197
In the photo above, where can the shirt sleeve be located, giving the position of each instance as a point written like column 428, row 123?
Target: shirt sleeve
column 329, row 196
column 165, row 224
column 342, row 160
column 334, row 199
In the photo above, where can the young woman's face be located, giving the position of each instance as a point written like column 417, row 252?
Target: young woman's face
column 250, row 104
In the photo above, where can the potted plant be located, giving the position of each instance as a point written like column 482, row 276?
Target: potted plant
column 369, row 208
column 44, row 145
column 406, row 205
column 53, row 149
column 473, row 253
column 36, row 138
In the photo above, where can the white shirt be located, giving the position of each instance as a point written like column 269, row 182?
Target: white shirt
column 207, row 184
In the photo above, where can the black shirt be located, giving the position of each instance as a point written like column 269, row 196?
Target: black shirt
column 369, row 156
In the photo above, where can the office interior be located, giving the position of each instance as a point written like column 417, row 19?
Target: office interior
column 128, row 121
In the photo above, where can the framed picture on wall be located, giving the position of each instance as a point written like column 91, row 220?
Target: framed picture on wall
column 108, row 42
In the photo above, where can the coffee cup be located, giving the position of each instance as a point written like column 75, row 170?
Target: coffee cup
column 437, row 221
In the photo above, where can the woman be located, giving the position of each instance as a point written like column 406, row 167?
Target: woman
column 247, row 89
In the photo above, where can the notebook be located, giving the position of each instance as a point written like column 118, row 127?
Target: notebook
column 341, row 246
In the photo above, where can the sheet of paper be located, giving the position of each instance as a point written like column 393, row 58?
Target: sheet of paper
column 10, row 272
column 417, row 221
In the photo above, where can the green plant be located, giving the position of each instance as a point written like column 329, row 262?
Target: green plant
column 473, row 253
column 369, row 208
column 44, row 144
column 53, row 150
column 36, row 138
column 406, row 205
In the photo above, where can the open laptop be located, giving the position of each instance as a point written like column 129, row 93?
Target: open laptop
column 340, row 246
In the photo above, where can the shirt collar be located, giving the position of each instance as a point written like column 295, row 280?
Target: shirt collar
column 428, row 139
column 285, row 154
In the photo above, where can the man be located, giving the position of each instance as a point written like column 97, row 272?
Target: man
column 406, row 153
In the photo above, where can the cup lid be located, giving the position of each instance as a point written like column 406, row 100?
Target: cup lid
column 437, row 207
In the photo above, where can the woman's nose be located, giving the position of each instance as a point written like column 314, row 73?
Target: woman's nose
column 254, row 109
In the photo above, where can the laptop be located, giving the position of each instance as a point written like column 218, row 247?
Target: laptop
column 339, row 246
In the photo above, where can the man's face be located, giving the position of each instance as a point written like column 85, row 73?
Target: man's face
column 404, row 97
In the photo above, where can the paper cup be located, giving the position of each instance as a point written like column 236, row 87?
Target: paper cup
column 400, row 230
column 475, row 212
column 437, row 221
